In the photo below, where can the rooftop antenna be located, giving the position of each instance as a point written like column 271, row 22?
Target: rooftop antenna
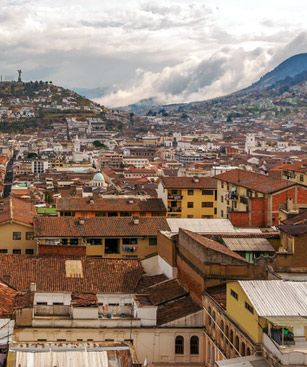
column 19, row 75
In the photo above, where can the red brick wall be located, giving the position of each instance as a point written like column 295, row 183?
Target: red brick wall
column 62, row 250
column 239, row 219
column 302, row 195
column 258, row 212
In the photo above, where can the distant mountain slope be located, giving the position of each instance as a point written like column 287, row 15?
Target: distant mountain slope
column 289, row 68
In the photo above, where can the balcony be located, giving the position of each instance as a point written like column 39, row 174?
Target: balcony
column 174, row 210
column 175, row 197
column 60, row 322
column 288, row 354
column 244, row 200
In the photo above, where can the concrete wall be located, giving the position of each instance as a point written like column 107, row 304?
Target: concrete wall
column 153, row 344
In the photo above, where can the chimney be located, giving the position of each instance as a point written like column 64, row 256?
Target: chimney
column 136, row 220
column 195, row 179
column 33, row 287
column 130, row 201
column 81, row 221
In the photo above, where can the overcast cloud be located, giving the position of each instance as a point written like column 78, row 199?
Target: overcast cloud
column 175, row 50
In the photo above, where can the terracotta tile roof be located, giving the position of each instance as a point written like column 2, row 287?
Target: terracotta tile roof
column 166, row 291
column 7, row 296
column 148, row 280
column 98, row 227
column 254, row 181
column 24, row 300
column 298, row 219
column 15, row 209
column 105, row 204
column 211, row 245
column 189, row 182
column 50, row 273
column 294, row 229
column 176, row 309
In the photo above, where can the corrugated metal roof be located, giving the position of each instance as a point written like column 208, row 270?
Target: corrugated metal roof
column 277, row 297
column 248, row 244
column 201, row 225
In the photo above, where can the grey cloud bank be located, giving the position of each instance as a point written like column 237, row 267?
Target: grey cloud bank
column 173, row 50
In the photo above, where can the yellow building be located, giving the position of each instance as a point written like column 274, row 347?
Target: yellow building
column 189, row 197
column 16, row 227
column 270, row 312
column 296, row 172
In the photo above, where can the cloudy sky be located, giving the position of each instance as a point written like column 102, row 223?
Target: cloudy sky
column 174, row 50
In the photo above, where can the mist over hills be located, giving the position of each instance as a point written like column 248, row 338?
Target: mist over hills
column 290, row 73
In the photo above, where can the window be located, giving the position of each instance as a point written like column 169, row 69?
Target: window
column 73, row 241
column 112, row 214
column 209, row 316
column 222, row 198
column 243, row 349
column 222, row 213
column 248, row 351
column 3, row 251
column 194, row 345
column 152, row 241
column 64, row 241
column 190, row 192
column 190, row 216
column 130, row 241
column 125, row 214
column 231, row 337
column 249, row 307
column 111, row 246
column 29, row 251
column 237, row 344
column 207, row 204
column 213, row 319
column 41, row 303
column 16, row 236
column 29, row 236
column 179, row 345
column 215, row 211
column 58, row 304
column 94, row 241
column 207, row 192
column 227, row 333
column 190, row 204
column 16, row 251
column 222, row 329
column 100, row 214
column 301, row 178
column 234, row 294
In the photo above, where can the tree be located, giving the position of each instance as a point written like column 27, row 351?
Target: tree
column 98, row 144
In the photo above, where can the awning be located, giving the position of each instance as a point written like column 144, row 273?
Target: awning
column 287, row 321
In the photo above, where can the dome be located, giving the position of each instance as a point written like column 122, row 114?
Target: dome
column 98, row 177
